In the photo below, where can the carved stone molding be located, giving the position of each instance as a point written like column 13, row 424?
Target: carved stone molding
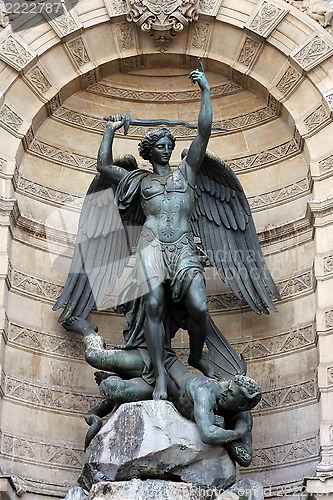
column 326, row 165
column 314, row 51
column 266, row 18
column 288, row 149
column 38, row 80
column 289, row 81
column 61, row 19
column 50, row 195
column 22, row 337
column 300, row 285
column 320, row 209
column 10, row 120
column 277, row 196
column 55, row 103
column 328, row 264
column 116, row 7
column 283, row 398
column 125, row 36
column 162, row 19
column 15, row 52
column 316, row 120
column 329, row 319
column 249, row 52
column 106, row 89
column 89, row 78
column 78, row 51
column 276, row 345
column 249, row 120
column 64, row 456
column 68, row 200
column 302, row 450
column 299, row 229
column 329, row 374
column 56, row 154
column 255, row 161
column 49, row 398
column 32, row 286
column 200, row 36
column 209, row 7
column 3, row 163
column 328, row 98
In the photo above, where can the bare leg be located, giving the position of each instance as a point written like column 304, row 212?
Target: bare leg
column 198, row 323
column 155, row 337
column 120, row 361
column 125, row 391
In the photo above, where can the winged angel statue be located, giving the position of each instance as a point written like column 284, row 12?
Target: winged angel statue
column 160, row 213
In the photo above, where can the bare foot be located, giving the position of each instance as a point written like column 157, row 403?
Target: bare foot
column 99, row 376
column 160, row 391
column 79, row 325
column 203, row 366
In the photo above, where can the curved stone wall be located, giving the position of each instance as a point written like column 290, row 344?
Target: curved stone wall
column 270, row 68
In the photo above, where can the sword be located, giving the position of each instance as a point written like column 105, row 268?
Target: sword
column 159, row 121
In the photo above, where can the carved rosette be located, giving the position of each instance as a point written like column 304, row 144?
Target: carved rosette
column 162, row 19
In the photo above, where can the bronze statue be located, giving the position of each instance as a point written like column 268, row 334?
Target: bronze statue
column 221, row 410
column 161, row 213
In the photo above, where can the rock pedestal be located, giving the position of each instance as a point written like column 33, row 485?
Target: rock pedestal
column 157, row 489
column 147, row 450
column 151, row 440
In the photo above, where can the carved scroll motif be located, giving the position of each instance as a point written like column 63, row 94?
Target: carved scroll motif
column 15, row 52
column 312, row 53
column 162, row 19
column 266, row 19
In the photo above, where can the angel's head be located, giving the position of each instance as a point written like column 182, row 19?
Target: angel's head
column 148, row 143
column 239, row 394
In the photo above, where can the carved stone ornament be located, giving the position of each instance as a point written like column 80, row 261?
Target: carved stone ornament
column 162, row 19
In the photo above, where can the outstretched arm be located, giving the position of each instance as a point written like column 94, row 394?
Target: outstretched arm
column 105, row 157
column 198, row 147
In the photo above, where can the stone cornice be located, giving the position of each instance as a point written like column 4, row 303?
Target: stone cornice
column 233, row 124
column 70, row 201
column 262, row 159
column 42, row 289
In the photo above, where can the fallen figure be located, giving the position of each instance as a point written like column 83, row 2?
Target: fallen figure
column 220, row 409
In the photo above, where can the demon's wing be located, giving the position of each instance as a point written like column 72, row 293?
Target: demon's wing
column 102, row 248
column 221, row 354
column 223, row 221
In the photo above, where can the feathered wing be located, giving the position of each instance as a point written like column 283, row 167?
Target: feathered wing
column 222, row 219
column 102, row 249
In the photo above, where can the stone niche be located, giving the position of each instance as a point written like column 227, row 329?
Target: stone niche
column 270, row 69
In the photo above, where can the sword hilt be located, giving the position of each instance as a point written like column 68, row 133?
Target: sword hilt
column 127, row 121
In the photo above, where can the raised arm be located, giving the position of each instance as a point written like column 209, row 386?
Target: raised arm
column 198, row 147
column 105, row 157
column 211, row 428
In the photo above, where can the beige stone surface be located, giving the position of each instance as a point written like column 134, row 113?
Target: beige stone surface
column 287, row 175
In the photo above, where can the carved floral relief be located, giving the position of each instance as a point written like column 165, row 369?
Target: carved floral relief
column 162, row 19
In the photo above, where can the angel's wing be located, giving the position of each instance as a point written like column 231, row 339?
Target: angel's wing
column 223, row 221
column 102, row 249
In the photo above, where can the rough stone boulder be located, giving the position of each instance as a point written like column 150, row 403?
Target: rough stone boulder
column 151, row 440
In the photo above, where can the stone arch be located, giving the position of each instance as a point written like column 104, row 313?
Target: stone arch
column 278, row 64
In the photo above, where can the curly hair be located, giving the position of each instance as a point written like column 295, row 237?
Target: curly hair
column 250, row 388
column 151, row 138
